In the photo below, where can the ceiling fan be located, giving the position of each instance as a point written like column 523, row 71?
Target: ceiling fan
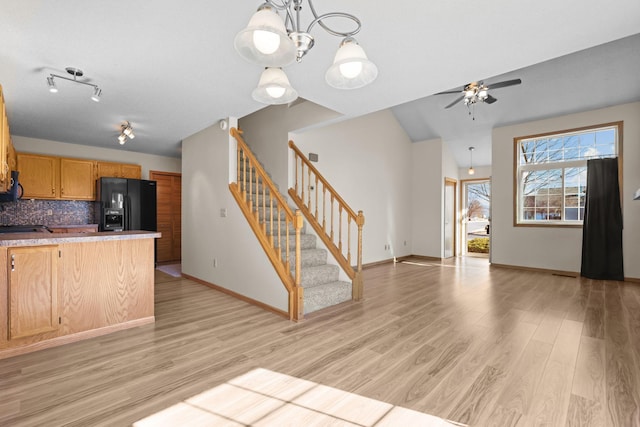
column 476, row 92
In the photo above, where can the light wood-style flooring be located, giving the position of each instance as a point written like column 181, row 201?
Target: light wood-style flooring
column 457, row 339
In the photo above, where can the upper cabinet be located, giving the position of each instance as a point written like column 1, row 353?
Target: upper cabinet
column 118, row 170
column 60, row 178
column 77, row 179
column 49, row 177
column 6, row 148
column 38, row 176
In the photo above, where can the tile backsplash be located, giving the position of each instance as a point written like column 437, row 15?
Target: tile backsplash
column 47, row 212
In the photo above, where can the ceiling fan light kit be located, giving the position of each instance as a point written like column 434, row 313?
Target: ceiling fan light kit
column 75, row 72
column 273, row 43
column 476, row 92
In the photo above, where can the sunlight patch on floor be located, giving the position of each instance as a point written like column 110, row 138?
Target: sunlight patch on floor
column 266, row 398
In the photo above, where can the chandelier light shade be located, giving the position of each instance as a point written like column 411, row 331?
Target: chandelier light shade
column 351, row 69
column 471, row 171
column 265, row 40
column 75, row 72
column 274, row 42
column 274, row 88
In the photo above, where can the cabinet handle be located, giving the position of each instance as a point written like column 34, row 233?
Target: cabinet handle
column 13, row 263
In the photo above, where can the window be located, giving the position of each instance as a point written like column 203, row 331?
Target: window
column 551, row 173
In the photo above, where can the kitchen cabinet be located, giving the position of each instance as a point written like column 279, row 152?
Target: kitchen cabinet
column 61, row 288
column 6, row 147
column 38, row 176
column 77, row 179
column 118, row 170
column 49, row 177
column 33, row 291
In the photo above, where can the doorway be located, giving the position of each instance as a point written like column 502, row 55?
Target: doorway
column 476, row 219
column 169, row 210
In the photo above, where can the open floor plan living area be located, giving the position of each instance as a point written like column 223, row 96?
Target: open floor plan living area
column 432, row 344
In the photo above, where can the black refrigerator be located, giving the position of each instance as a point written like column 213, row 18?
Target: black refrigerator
column 126, row 204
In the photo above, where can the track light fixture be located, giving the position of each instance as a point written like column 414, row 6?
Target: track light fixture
column 273, row 43
column 75, row 72
column 471, row 171
column 126, row 132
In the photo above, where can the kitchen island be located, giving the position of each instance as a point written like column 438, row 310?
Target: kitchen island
column 61, row 288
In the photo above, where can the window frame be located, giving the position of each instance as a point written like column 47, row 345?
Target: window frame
column 561, row 165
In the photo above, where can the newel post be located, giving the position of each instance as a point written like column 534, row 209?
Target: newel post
column 357, row 287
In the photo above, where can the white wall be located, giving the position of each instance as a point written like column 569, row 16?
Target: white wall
column 267, row 133
column 365, row 159
column 63, row 149
column 553, row 247
column 427, row 189
column 242, row 265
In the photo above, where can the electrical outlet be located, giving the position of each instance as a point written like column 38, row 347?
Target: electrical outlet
column 49, row 212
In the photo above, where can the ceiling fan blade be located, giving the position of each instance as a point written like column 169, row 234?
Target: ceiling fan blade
column 455, row 102
column 505, row 83
column 448, row 92
column 490, row 99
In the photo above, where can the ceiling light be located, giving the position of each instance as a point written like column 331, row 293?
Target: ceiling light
column 96, row 94
column 351, row 69
column 75, row 72
column 126, row 132
column 274, row 88
column 272, row 42
column 471, row 171
column 52, row 85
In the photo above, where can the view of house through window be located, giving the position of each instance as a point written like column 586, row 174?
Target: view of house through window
column 478, row 226
column 552, row 172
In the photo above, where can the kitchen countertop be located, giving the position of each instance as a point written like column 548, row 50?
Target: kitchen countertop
column 39, row 238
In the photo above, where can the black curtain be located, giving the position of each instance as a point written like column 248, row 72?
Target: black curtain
column 602, row 226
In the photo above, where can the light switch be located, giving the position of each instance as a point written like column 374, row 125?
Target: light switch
column 223, row 212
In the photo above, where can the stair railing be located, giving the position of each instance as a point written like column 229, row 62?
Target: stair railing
column 315, row 196
column 268, row 204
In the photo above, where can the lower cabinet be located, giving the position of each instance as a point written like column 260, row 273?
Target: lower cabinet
column 33, row 291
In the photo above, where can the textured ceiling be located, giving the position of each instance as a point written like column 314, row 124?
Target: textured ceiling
column 170, row 69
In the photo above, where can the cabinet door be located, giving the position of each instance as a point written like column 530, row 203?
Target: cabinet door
column 108, row 170
column 38, row 176
column 77, row 179
column 4, row 142
column 33, row 290
column 131, row 171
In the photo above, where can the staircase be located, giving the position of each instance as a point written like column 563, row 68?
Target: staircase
column 311, row 282
column 322, row 287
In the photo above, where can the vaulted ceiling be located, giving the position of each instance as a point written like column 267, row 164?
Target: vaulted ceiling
column 170, row 69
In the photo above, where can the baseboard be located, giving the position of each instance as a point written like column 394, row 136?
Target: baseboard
column 238, row 296
column 573, row 274
column 400, row 259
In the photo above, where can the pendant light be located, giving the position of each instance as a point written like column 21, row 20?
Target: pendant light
column 471, row 171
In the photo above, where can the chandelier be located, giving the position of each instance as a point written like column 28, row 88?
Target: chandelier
column 273, row 43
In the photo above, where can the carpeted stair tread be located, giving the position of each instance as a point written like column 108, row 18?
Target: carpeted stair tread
column 318, row 275
column 309, row 257
column 326, row 295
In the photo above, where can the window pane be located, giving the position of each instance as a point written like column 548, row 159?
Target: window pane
column 543, row 189
column 556, row 193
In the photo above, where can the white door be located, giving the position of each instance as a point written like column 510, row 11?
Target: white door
column 449, row 218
